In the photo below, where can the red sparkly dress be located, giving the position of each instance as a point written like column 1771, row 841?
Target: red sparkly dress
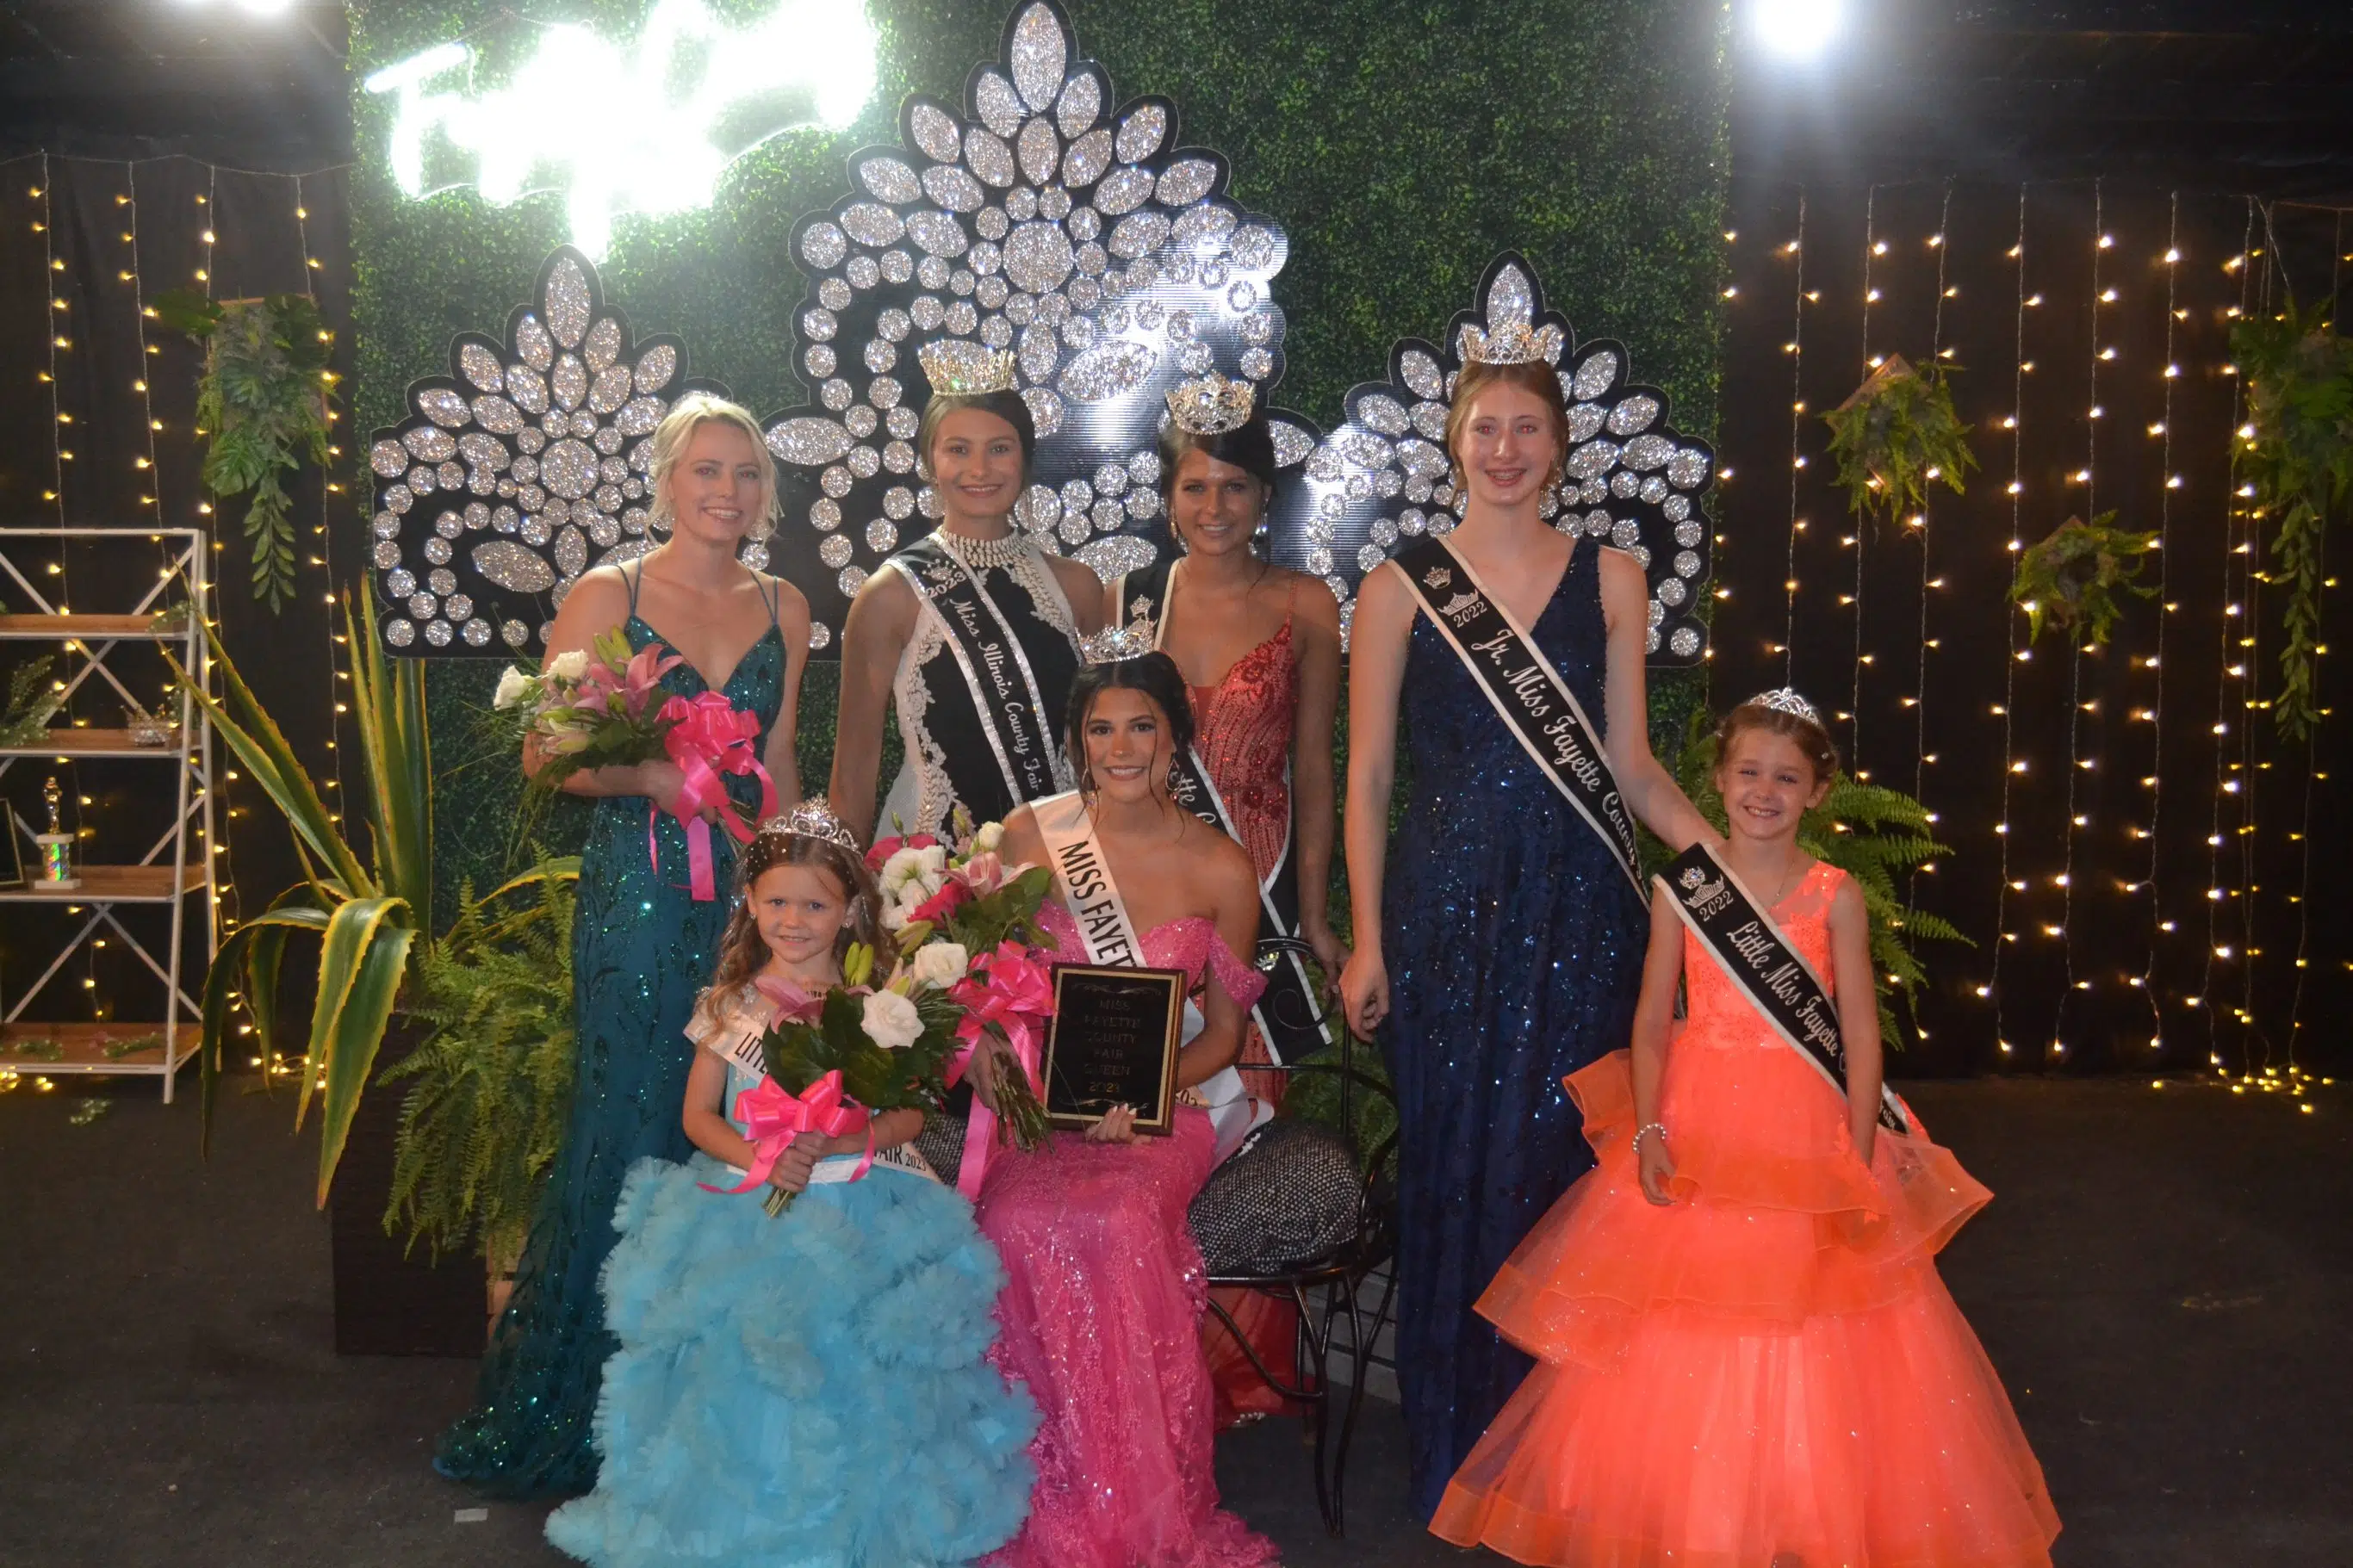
column 1767, row 1368
column 1243, row 728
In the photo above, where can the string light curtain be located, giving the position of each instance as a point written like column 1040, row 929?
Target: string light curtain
column 2108, row 931
column 105, row 436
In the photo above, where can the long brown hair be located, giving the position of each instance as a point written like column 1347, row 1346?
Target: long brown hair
column 1534, row 377
column 742, row 951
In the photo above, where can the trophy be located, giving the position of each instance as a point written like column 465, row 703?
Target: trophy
column 57, row 843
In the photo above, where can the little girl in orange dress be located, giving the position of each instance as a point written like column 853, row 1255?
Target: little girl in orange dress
column 1745, row 1356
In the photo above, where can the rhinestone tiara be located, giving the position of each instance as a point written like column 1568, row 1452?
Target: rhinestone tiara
column 958, row 367
column 1785, row 700
column 1211, row 405
column 1513, row 342
column 812, row 818
column 1114, row 645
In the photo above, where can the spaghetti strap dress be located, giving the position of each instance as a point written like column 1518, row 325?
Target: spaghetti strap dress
column 1767, row 1370
column 642, row 948
column 1514, row 946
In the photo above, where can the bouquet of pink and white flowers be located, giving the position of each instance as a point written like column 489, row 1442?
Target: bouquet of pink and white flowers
column 596, row 708
column 968, row 923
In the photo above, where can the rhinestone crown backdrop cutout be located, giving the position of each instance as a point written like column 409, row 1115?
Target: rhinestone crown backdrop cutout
column 1630, row 480
column 520, row 469
column 1086, row 241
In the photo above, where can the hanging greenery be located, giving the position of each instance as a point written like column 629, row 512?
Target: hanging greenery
column 1873, row 834
column 489, row 1083
column 32, row 699
column 262, row 404
column 2297, row 454
column 2071, row 578
column 1896, row 435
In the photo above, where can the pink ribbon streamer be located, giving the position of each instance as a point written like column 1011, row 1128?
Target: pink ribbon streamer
column 773, row 1117
column 707, row 739
column 1015, row 998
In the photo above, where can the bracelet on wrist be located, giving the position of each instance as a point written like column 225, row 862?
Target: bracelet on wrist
column 1644, row 1131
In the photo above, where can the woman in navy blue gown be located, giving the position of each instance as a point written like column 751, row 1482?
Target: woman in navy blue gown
column 1505, row 950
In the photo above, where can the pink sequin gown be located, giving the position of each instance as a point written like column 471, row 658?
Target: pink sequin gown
column 1100, row 1316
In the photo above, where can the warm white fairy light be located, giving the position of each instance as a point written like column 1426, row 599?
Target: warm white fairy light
column 2012, row 766
column 1873, row 247
column 2155, row 712
column 1796, row 349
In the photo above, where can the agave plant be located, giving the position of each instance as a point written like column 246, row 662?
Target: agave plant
column 1873, row 834
column 368, row 911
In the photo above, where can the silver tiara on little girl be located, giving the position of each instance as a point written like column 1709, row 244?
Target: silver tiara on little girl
column 812, row 818
column 1785, row 700
column 1116, row 645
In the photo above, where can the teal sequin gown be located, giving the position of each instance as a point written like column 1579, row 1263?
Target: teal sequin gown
column 642, row 948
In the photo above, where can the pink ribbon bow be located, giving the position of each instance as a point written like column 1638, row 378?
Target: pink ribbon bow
column 773, row 1116
column 1015, row 998
column 708, row 738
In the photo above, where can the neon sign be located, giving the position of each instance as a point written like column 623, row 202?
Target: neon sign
column 648, row 126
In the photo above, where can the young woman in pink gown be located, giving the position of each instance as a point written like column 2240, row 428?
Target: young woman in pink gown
column 1101, row 1309
column 1746, row 1355
column 1259, row 646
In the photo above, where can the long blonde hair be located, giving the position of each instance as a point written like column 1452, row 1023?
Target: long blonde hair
column 687, row 416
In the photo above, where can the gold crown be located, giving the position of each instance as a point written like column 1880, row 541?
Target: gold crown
column 1116, row 645
column 1513, row 342
column 812, row 818
column 958, row 367
column 1211, row 405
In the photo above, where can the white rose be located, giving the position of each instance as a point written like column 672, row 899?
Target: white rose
column 933, row 860
column 941, row 965
column 513, row 687
column 569, row 666
column 991, row 835
column 900, row 868
column 891, row 1020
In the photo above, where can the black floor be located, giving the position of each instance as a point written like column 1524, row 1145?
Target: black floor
column 2166, row 1282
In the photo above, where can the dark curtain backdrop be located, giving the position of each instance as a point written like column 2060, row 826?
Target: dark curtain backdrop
column 100, row 404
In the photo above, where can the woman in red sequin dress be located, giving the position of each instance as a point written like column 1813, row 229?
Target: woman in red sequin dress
column 1260, row 649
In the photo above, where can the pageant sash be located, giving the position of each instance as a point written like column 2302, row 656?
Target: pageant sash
column 1083, row 876
column 1288, row 1018
column 1776, row 978
column 1526, row 693
column 1005, row 693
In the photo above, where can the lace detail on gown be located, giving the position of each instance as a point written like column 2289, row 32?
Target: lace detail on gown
column 1100, row 1316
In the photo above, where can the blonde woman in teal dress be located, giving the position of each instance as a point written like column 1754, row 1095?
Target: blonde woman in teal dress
column 642, row 945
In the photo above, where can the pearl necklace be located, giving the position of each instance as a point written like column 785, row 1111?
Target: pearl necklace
column 984, row 554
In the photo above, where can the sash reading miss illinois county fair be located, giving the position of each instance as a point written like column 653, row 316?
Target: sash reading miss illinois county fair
column 1774, row 977
column 1084, row 876
column 1533, row 702
column 1005, row 694
column 1288, row 1018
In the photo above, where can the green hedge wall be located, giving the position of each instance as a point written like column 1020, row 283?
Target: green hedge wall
column 1400, row 142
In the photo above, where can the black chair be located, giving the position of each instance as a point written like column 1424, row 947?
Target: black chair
column 1301, row 1212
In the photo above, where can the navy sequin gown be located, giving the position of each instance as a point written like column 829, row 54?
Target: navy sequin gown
column 1514, row 947
column 642, row 948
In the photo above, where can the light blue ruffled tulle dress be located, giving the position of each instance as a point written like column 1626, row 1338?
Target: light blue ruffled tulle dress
column 810, row 1389
column 642, row 948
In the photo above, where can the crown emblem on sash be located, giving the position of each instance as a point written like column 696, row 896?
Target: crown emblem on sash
column 1437, row 578
column 812, row 818
column 1116, row 645
column 958, row 367
column 1692, row 877
column 1211, row 405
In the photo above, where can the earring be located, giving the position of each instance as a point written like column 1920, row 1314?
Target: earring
column 1087, row 780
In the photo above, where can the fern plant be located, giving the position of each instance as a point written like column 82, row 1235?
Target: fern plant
column 2298, row 457
column 33, row 698
column 2069, row 579
column 1873, row 834
column 263, row 403
column 1894, row 436
column 490, row 1082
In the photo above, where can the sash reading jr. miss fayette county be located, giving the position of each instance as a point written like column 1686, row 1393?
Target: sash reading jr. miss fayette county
column 996, row 667
column 1774, row 977
column 1533, row 702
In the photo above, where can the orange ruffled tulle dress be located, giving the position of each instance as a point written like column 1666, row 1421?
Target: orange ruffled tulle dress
column 1767, row 1372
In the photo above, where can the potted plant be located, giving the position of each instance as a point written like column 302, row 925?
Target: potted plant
column 2070, row 580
